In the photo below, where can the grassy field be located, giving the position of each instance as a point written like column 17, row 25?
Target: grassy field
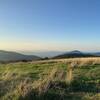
column 65, row 79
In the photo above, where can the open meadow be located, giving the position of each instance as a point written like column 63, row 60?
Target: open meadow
column 63, row 79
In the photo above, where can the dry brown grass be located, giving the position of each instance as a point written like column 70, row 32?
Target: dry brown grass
column 42, row 86
column 54, row 74
column 78, row 62
column 25, row 87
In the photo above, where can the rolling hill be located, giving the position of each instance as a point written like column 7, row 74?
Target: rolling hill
column 76, row 53
column 6, row 56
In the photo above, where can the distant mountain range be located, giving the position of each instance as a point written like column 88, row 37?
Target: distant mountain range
column 6, row 56
column 76, row 53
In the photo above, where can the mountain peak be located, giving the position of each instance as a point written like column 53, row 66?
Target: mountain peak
column 76, row 51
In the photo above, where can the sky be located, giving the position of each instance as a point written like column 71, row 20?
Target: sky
column 50, row 25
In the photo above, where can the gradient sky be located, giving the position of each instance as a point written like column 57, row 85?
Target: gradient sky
column 31, row 25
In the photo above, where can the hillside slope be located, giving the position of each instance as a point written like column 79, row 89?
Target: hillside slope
column 50, row 80
column 13, row 56
column 76, row 53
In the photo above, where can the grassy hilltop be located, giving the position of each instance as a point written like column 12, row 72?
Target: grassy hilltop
column 65, row 79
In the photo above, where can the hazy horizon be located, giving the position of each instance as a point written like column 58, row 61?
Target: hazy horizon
column 49, row 53
column 49, row 25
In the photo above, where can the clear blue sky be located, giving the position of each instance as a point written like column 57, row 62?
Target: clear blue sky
column 50, row 25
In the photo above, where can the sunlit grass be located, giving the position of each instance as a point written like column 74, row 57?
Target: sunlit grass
column 72, row 79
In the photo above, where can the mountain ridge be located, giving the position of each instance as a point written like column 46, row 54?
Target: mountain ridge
column 7, row 56
column 77, row 53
